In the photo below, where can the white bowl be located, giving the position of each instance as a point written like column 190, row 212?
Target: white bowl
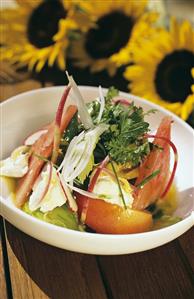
column 27, row 112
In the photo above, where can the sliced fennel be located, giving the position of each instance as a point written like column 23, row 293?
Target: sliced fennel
column 87, row 170
column 82, row 110
column 79, row 155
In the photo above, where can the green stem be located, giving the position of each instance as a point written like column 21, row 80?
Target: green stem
column 116, row 176
column 44, row 159
column 148, row 178
column 117, row 179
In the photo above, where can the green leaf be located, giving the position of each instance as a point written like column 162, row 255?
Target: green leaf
column 38, row 214
column 60, row 216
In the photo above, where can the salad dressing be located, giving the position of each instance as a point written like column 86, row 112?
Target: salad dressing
column 9, row 185
column 167, row 205
column 80, row 143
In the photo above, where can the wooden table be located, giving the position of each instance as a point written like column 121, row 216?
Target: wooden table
column 30, row 269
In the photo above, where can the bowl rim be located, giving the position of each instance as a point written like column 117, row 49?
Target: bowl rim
column 89, row 235
column 68, row 231
column 44, row 89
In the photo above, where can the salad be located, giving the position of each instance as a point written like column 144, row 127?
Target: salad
column 96, row 167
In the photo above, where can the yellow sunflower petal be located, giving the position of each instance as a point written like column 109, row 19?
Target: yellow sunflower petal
column 17, row 46
column 186, row 35
column 28, row 3
column 156, row 52
column 142, row 25
column 187, row 107
column 61, row 60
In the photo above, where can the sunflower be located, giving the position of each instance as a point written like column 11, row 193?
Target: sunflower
column 36, row 32
column 164, row 69
column 117, row 26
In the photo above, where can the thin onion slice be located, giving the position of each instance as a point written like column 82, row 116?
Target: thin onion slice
column 58, row 119
column 83, row 192
column 78, row 190
column 172, row 145
column 97, row 173
column 70, row 198
column 33, row 205
column 31, row 139
column 91, row 187
column 121, row 101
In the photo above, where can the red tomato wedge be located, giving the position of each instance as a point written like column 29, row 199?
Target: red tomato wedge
column 109, row 218
column 42, row 147
column 158, row 159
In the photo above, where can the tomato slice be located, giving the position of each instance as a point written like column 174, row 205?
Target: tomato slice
column 158, row 159
column 107, row 218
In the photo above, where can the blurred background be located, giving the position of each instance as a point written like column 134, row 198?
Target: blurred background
column 142, row 47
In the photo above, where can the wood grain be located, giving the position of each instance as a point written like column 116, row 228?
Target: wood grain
column 187, row 245
column 159, row 273
column 40, row 271
column 3, row 288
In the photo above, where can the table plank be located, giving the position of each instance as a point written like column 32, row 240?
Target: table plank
column 158, row 273
column 41, row 271
column 186, row 242
column 2, row 276
column 3, row 287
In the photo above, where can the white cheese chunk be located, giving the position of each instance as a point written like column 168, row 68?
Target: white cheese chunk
column 55, row 196
column 17, row 164
column 107, row 187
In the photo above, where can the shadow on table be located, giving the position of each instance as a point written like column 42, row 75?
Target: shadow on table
column 58, row 273
column 62, row 274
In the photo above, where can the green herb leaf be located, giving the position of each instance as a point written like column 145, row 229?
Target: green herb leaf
column 124, row 141
column 112, row 92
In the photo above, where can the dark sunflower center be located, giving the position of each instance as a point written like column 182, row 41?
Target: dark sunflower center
column 173, row 78
column 43, row 23
column 110, row 35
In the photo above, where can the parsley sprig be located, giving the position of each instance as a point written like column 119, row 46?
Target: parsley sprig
column 124, row 141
